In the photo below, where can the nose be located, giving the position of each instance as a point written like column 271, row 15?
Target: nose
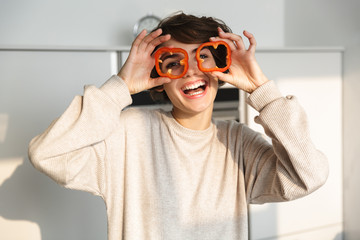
column 193, row 68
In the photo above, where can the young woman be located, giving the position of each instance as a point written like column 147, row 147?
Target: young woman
column 181, row 174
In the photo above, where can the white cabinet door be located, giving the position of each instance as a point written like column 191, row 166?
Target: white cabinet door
column 36, row 87
column 316, row 79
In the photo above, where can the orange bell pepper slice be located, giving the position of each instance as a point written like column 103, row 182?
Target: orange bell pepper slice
column 171, row 51
column 215, row 46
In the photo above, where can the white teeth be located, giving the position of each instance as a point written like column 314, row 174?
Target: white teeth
column 194, row 85
column 195, row 93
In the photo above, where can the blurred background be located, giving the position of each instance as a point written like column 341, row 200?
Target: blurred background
column 49, row 49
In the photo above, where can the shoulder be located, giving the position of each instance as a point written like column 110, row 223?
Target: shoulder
column 234, row 130
column 227, row 124
column 228, row 127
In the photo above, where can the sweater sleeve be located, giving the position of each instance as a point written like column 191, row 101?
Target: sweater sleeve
column 289, row 168
column 71, row 150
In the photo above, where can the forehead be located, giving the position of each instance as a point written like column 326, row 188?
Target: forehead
column 176, row 44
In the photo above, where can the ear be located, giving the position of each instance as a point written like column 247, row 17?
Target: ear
column 159, row 89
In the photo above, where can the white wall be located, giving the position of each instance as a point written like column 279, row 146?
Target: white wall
column 336, row 23
column 110, row 22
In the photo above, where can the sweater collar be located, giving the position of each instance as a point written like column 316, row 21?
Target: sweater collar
column 186, row 132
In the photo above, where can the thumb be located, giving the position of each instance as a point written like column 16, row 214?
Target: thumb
column 154, row 82
column 219, row 76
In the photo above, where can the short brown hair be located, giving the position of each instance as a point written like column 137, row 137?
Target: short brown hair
column 187, row 29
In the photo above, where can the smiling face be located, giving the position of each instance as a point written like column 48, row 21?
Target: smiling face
column 195, row 92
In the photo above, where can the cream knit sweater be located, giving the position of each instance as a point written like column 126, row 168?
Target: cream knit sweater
column 160, row 180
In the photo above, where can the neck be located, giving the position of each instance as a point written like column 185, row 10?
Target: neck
column 194, row 121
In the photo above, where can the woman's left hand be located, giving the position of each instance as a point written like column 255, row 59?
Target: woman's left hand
column 245, row 72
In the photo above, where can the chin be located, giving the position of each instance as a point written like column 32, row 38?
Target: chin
column 194, row 96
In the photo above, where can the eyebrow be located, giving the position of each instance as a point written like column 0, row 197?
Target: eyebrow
column 168, row 55
column 206, row 47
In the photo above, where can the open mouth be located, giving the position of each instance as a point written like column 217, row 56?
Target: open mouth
column 195, row 88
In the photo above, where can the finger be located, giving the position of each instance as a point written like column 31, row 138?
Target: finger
column 252, row 41
column 231, row 44
column 237, row 39
column 152, row 35
column 220, row 76
column 154, row 82
column 138, row 40
column 147, row 39
column 156, row 42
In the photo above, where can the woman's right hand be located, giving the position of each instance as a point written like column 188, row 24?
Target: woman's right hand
column 138, row 66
